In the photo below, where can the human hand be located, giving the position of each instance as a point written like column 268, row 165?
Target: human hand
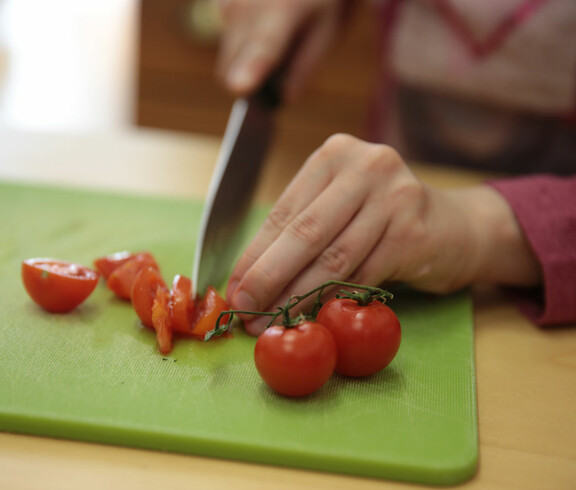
column 355, row 212
column 257, row 36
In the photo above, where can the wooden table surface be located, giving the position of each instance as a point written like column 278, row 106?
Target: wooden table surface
column 526, row 375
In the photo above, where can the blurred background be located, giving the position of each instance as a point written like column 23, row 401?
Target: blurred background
column 93, row 65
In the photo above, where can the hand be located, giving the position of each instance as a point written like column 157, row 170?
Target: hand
column 258, row 34
column 355, row 212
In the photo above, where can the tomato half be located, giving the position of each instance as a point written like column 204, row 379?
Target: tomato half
column 143, row 292
column 368, row 337
column 207, row 311
column 295, row 361
column 122, row 278
column 56, row 285
column 183, row 305
column 162, row 320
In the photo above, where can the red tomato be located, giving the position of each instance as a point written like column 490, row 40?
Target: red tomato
column 295, row 361
column 207, row 311
column 109, row 263
column 56, row 285
column 368, row 337
column 143, row 292
column 121, row 279
column 183, row 305
column 162, row 320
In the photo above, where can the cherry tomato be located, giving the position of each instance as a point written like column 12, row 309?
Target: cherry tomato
column 56, row 285
column 295, row 361
column 121, row 279
column 183, row 305
column 143, row 292
column 109, row 263
column 207, row 311
column 162, row 320
column 368, row 337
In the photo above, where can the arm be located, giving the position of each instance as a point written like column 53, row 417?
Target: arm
column 355, row 212
column 545, row 207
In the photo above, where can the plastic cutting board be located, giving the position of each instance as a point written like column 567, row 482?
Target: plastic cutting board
column 95, row 374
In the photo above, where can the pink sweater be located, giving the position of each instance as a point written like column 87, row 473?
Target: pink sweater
column 491, row 85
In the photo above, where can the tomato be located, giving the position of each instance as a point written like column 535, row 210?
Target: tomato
column 147, row 282
column 368, row 337
column 162, row 320
column 183, row 305
column 56, row 285
column 109, row 263
column 207, row 311
column 121, row 279
column 295, row 361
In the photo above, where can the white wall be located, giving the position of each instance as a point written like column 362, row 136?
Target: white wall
column 67, row 64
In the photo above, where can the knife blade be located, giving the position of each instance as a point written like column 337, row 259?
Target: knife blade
column 234, row 180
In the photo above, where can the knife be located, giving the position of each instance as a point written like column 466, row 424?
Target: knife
column 222, row 228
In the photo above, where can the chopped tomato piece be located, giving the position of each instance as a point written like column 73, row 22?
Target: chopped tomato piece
column 121, row 279
column 162, row 320
column 109, row 263
column 183, row 305
column 56, row 285
column 207, row 312
column 146, row 284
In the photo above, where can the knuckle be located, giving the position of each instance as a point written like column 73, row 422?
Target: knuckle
column 410, row 191
column 336, row 260
column 335, row 145
column 278, row 218
column 382, row 160
column 306, row 229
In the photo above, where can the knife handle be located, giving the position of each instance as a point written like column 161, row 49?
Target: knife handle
column 270, row 93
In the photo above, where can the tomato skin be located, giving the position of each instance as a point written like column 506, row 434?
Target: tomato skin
column 162, row 320
column 367, row 337
column 146, row 284
column 206, row 313
column 295, row 361
column 183, row 305
column 56, row 285
column 120, row 281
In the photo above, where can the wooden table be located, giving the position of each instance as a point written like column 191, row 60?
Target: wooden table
column 526, row 375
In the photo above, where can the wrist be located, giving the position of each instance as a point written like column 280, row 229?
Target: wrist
column 502, row 254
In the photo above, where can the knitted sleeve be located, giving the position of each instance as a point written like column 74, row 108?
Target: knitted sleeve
column 545, row 206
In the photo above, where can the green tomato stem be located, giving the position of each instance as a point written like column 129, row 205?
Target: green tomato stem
column 363, row 298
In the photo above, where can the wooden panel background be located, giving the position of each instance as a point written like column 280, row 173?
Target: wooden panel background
column 177, row 89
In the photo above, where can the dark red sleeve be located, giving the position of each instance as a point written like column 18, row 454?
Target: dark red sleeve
column 546, row 209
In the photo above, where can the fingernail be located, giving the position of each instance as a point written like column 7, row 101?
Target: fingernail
column 240, row 78
column 244, row 301
column 257, row 326
column 231, row 289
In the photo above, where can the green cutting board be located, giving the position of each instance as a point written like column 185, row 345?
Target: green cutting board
column 94, row 374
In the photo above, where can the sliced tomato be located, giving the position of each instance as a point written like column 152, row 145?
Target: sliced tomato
column 146, row 284
column 122, row 278
column 183, row 305
column 162, row 320
column 56, row 285
column 207, row 311
column 109, row 263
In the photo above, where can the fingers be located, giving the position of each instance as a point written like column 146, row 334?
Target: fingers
column 299, row 242
column 305, row 187
column 256, row 37
column 259, row 35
